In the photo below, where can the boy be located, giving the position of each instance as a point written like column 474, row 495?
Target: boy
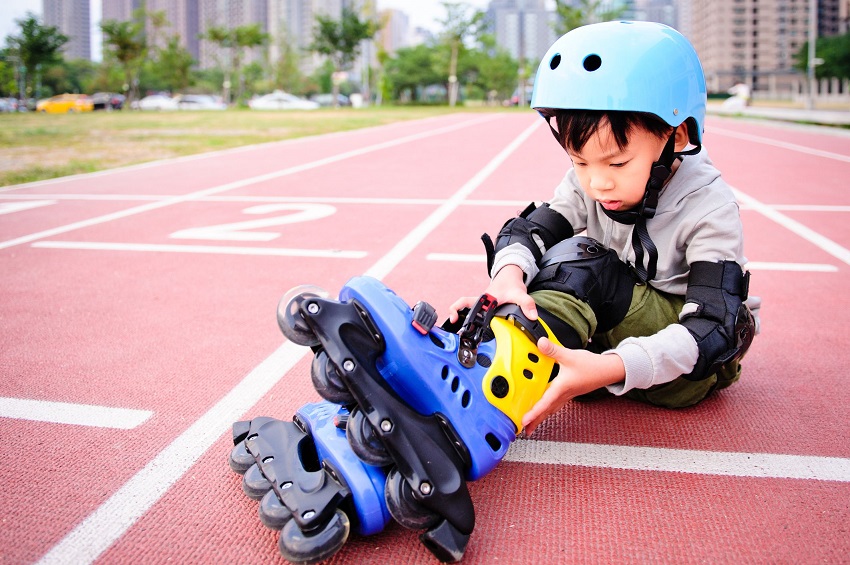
column 655, row 291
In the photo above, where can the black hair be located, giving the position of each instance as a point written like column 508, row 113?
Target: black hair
column 576, row 127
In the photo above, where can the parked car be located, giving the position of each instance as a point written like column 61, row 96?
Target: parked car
column 326, row 100
column 280, row 100
column 8, row 105
column 65, row 103
column 107, row 101
column 156, row 102
column 200, row 102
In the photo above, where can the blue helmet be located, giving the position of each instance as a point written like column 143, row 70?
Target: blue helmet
column 628, row 66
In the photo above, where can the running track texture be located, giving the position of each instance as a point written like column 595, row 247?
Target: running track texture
column 138, row 322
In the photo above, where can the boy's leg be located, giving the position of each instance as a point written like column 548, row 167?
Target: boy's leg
column 649, row 311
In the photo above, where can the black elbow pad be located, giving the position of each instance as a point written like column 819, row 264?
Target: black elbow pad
column 547, row 224
column 717, row 317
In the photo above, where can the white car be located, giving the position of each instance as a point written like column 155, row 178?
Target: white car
column 156, row 102
column 199, row 102
column 280, row 100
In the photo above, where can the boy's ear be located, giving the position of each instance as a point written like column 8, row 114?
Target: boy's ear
column 682, row 137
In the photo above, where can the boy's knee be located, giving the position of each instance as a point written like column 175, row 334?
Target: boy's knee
column 584, row 268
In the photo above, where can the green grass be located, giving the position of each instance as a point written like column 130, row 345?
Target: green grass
column 42, row 146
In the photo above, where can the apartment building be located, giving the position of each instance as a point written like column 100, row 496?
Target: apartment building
column 755, row 41
column 72, row 18
column 522, row 27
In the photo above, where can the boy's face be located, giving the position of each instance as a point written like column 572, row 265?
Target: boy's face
column 614, row 177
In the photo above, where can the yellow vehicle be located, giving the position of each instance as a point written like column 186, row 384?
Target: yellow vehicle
column 66, row 103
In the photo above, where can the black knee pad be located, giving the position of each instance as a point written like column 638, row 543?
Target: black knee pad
column 584, row 268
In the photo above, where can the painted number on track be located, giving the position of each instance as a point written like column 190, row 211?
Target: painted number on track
column 246, row 231
column 12, row 207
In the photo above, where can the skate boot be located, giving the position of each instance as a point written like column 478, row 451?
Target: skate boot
column 309, row 483
column 439, row 407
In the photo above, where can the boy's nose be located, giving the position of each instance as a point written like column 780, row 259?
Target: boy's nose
column 601, row 182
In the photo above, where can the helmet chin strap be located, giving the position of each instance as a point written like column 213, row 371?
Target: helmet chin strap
column 641, row 242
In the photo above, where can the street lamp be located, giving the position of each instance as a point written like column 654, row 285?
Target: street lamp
column 812, row 61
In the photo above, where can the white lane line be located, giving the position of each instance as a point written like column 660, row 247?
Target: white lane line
column 824, row 243
column 781, row 144
column 76, row 414
column 802, row 267
column 12, row 207
column 212, row 249
column 386, row 263
column 457, row 257
column 752, row 265
column 239, row 184
column 762, row 465
column 113, row 518
column 839, row 208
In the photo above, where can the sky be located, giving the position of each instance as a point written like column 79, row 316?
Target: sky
column 422, row 13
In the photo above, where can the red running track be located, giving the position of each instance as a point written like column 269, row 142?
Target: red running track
column 152, row 291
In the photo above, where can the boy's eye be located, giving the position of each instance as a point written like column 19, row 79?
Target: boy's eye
column 623, row 164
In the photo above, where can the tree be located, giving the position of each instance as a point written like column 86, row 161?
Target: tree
column 222, row 37
column 235, row 40
column 569, row 17
column 339, row 40
column 174, row 65
column 458, row 26
column 126, row 43
column 489, row 69
column 246, row 37
column 286, row 72
column 412, row 69
column 76, row 75
column 36, row 49
column 835, row 52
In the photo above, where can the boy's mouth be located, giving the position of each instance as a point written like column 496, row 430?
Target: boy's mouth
column 611, row 204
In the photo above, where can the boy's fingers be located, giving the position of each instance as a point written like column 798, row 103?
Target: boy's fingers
column 529, row 308
column 546, row 347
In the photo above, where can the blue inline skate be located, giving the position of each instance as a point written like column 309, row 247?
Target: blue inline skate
column 434, row 407
column 309, row 483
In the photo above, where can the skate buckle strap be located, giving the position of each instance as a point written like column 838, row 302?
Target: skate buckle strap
column 472, row 331
column 424, row 317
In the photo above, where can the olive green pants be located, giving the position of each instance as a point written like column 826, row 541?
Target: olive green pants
column 649, row 312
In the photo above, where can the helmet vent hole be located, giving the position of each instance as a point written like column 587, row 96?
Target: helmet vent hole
column 592, row 62
column 555, row 61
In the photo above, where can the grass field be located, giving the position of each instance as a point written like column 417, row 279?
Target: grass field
column 42, row 146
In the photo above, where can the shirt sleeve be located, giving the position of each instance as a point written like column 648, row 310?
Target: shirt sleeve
column 655, row 359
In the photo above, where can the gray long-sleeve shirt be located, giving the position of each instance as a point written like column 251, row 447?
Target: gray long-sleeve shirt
column 697, row 220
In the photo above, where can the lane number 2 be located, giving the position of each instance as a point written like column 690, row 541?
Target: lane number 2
column 247, row 230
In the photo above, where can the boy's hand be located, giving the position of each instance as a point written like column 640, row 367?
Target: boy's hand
column 507, row 287
column 580, row 372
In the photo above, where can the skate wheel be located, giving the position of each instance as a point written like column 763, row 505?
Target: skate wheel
column 254, row 483
column 327, row 382
column 364, row 442
column 240, row 460
column 273, row 513
column 405, row 509
column 291, row 323
column 314, row 547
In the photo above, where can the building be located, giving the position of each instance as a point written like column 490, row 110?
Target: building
column 395, row 32
column 661, row 11
column 182, row 20
column 71, row 18
column 755, row 41
column 119, row 10
column 833, row 17
column 522, row 27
